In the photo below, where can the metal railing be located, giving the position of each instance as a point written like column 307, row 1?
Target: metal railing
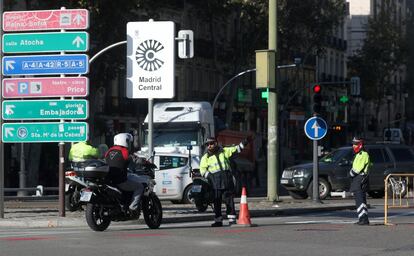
column 38, row 190
column 398, row 192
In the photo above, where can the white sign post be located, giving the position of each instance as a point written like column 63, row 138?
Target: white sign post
column 150, row 60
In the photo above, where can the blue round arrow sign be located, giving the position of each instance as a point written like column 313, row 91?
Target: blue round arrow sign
column 315, row 128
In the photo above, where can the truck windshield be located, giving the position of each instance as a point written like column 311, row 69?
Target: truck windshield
column 337, row 155
column 173, row 138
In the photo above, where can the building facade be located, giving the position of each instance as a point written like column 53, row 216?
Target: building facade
column 393, row 110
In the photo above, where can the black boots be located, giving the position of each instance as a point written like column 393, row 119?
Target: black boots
column 362, row 221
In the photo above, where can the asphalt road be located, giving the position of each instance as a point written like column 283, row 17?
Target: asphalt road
column 327, row 233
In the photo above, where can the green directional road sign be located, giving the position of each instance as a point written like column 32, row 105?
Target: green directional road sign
column 44, row 132
column 46, row 42
column 44, row 109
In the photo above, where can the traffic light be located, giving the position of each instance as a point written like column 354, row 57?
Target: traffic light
column 317, row 98
column 337, row 128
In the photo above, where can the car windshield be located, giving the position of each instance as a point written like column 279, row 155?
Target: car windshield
column 336, row 155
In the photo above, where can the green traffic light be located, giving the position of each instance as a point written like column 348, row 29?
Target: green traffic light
column 344, row 99
column 265, row 95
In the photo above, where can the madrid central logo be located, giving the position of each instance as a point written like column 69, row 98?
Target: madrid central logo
column 146, row 55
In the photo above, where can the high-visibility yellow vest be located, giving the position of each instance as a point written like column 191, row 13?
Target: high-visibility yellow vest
column 361, row 163
column 210, row 163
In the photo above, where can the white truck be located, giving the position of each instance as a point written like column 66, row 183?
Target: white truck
column 177, row 125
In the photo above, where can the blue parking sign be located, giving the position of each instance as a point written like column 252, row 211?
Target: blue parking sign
column 23, row 88
column 315, row 128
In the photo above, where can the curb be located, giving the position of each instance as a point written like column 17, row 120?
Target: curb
column 54, row 222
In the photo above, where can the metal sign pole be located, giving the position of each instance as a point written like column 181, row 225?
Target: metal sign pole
column 315, row 192
column 315, row 129
column 150, row 128
column 1, row 121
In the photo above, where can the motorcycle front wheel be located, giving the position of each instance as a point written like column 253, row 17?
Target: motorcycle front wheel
column 95, row 219
column 201, row 206
column 152, row 211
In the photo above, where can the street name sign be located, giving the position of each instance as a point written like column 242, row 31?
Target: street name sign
column 44, row 132
column 44, row 109
column 315, row 128
column 46, row 20
column 45, row 42
column 45, row 87
column 45, row 64
column 150, row 59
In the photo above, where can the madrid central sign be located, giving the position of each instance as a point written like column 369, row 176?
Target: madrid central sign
column 150, row 59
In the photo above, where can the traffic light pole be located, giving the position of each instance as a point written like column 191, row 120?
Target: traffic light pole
column 272, row 115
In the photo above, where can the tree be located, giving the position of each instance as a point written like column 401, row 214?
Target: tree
column 381, row 56
column 304, row 26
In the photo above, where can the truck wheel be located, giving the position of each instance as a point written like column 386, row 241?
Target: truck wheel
column 324, row 189
column 298, row 194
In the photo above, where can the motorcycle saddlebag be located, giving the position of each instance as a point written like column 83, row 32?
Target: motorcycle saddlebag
column 91, row 169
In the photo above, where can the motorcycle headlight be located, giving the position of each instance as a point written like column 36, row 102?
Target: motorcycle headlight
column 300, row 173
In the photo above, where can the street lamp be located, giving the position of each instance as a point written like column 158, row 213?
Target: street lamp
column 358, row 104
column 404, row 110
column 389, row 98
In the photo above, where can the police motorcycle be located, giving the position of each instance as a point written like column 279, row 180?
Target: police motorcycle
column 201, row 192
column 74, row 183
column 106, row 203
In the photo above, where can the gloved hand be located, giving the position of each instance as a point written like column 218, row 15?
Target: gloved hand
column 243, row 143
column 352, row 173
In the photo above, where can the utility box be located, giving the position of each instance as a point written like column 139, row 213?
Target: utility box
column 265, row 69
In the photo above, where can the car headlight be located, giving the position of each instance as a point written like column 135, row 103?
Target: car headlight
column 299, row 173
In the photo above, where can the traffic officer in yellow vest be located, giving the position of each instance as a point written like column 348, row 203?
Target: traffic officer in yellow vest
column 359, row 185
column 82, row 151
column 215, row 166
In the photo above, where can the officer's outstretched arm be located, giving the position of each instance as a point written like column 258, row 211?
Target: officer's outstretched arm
column 242, row 145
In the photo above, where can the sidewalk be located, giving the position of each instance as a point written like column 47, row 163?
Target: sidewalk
column 24, row 214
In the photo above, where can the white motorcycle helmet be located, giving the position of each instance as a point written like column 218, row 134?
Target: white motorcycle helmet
column 123, row 140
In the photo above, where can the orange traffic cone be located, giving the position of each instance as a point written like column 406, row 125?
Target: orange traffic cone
column 244, row 215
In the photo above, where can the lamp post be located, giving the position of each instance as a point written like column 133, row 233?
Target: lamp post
column 389, row 98
column 404, row 110
column 358, row 103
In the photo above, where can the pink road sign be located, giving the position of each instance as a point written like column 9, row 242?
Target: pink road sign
column 46, row 20
column 45, row 87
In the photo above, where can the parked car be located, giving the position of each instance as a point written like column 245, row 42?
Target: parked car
column 334, row 170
